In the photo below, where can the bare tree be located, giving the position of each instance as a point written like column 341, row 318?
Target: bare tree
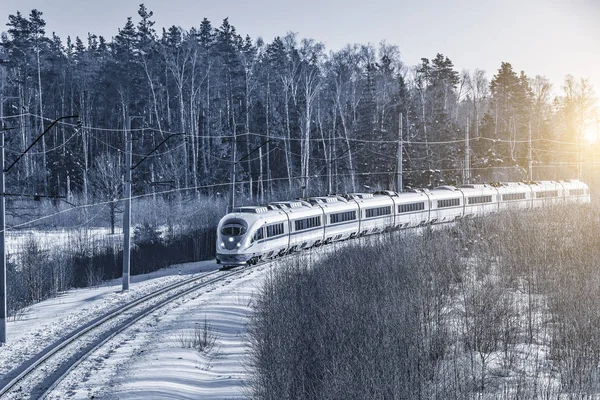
column 106, row 179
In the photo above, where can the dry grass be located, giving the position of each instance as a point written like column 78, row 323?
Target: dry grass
column 503, row 307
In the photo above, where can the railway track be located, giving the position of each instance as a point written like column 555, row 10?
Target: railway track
column 37, row 377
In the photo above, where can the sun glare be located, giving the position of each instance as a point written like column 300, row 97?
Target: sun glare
column 591, row 131
column 590, row 134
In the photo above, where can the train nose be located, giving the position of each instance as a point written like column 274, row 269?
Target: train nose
column 232, row 242
column 232, row 233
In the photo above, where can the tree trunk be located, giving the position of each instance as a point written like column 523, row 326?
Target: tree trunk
column 287, row 139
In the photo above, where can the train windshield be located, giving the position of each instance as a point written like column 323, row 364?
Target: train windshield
column 233, row 230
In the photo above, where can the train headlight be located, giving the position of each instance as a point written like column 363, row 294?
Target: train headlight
column 230, row 239
column 238, row 245
column 222, row 244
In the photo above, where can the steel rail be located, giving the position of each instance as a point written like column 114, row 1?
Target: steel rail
column 46, row 355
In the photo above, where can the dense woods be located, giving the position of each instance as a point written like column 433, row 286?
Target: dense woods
column 501, row 307
column 282, row 116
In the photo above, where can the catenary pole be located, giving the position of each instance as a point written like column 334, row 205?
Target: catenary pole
column 467, row 177
column 232, row 176
column 127, row 211
column 530, row 156
column 127, row 196
column 399, row 186
column 3, row 301
column 3, row 305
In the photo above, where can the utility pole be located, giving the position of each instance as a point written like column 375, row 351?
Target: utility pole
column 399, row 186
column 3, row 313
column 467, row 176
column 579, row 152
column 127, row 197
column 529, row 156
column 232, row 176
column 261, row 185
column 330, row 167
column 127, row 212
column 3, row 171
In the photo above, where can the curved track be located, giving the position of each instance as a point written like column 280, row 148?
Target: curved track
column 40, row 375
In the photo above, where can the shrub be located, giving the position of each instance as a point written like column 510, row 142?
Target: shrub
column 202, row 339
column 499, row 307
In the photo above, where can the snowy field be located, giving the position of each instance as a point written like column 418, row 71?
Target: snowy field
column 16, row 240
column 149, row 360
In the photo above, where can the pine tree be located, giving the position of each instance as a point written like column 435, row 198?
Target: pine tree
column 511, row 109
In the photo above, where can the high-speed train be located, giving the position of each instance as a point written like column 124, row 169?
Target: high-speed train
column 253, row 233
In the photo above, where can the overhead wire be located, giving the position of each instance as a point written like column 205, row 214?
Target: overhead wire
column 136, row 154
column 315, row 139
column 356, row 140
column 272, row 180
column 300, row 139
column 36, row 153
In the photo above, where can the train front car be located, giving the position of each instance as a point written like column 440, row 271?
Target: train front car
column 231, row 233
column 576, row 191
column 235, row 235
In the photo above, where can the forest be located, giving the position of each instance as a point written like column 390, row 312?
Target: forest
column 218, row 119
column 213, row 107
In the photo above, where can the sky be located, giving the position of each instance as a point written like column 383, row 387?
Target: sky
column 541, row 37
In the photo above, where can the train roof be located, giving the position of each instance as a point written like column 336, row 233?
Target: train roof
column 330, row 199
column 360, row 196
column 251, row 210
column 475, row 186
column 446, row 187
column 290, row 205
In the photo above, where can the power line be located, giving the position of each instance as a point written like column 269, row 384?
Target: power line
column 14, row 116
column 285, row 179
column 172, row 149
column 317, row 139
column 47, row 150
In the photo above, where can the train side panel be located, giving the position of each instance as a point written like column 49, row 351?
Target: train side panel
column 514, row 196
column 412, row 209
column 376, row 212
column 447, row 204
column 480, row 199
column 341, row 217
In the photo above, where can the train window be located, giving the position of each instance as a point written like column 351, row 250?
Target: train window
column 405, row 208
column 546, row 193
column 307, row 223
column 233, row 230
column 377, row 212
column 513, row 196
column 479, row 199
column 274, row 230
column 576, row 192
column 258, row 235
column 448, row 203
column 342, row 217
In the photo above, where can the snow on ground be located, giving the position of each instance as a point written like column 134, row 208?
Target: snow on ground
column 150, row 360
column 17, row 241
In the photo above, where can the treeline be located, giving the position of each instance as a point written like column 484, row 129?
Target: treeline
column 294, row 115
column 44, row 264
column 504, row 307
